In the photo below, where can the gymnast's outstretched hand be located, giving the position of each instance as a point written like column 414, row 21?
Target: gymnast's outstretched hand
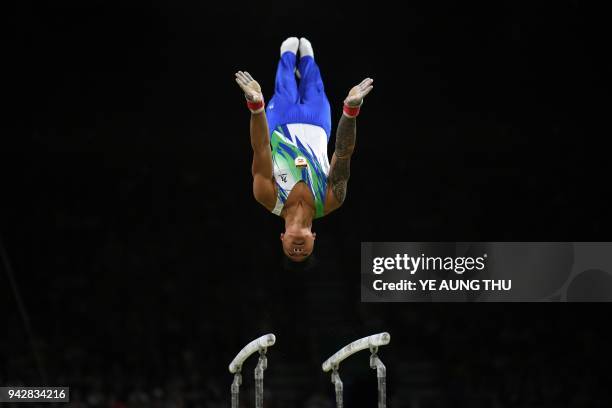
column 252, row 90
column 358, row 92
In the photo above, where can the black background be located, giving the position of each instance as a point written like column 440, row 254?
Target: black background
column 145, row 263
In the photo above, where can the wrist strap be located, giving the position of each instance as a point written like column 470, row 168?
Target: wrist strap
column 351, row 111
column 256, row 107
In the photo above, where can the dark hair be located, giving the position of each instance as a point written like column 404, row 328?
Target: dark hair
column 291, row 266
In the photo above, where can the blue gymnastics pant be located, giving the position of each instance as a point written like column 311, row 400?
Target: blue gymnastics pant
column 303, row 103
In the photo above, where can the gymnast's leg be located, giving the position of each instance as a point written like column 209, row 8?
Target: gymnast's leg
column 285, row 86
column 311, row 89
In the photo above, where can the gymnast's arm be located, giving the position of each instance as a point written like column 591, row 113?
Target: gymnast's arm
column 263, row 184
column 340, row 170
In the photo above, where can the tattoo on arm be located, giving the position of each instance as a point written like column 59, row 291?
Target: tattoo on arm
column 345, row 136
column 339, row 178
column 345, row 144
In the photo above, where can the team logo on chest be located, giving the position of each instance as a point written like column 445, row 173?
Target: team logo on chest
column 300, row 162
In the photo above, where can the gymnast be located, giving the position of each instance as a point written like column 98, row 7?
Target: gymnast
column 292, row 176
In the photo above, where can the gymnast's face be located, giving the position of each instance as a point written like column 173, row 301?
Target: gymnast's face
column 298, row 243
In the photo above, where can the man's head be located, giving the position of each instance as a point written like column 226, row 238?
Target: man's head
column 298, row 243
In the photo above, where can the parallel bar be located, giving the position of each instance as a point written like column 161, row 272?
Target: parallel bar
column 236, row 390
column 375, row 340
column 262, row 364
column 339, row 388
column 381, row 375
column 382, row 392
column 254, row 346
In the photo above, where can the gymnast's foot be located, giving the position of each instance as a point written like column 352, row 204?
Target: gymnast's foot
column 291, row 44
column 306, row 48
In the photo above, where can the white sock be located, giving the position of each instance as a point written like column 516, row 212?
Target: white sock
column 306, row 48
column 290, row 44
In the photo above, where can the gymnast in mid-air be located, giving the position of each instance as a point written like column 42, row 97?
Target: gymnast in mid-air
column 292, row 176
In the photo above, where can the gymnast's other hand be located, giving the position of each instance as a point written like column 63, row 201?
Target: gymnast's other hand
column 252, row 90
column 358, row 92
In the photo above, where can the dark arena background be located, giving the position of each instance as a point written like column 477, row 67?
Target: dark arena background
column 131, row 238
